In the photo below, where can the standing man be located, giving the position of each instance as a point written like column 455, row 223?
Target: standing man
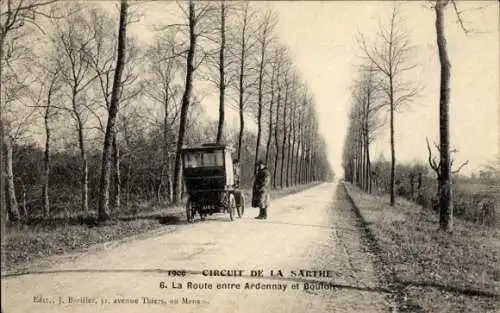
column 260, row 194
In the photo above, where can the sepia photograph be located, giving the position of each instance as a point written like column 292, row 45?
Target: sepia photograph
column 335, row 156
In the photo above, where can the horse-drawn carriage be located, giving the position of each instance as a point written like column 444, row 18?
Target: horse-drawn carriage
column 210, row 181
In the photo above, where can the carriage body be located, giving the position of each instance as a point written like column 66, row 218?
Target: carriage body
column 209, row 180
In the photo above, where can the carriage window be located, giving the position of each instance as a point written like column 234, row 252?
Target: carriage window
column 214, row 158
column 192, row 160
column 203, row 159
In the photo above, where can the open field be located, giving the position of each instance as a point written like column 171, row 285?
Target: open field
column 432, row 271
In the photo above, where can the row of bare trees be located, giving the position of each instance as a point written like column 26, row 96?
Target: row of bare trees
column 384, row 83
column 94, row 91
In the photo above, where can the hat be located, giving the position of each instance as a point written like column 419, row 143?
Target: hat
column 260, row 162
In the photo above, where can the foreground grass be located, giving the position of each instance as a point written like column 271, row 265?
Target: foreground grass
column 39, row 238
column 431, row 270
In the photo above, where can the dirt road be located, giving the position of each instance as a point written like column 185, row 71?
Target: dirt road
column 312, row 230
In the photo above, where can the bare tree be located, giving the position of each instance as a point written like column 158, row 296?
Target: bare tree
column 46, row 159
column 266, row 28
column 104, row 211
column 50, row 85
column 103, row 55
column 274, row 75
column 164, row 67
column 287, row 86
column 292, row 109
column 281, row 75
column 245, row 47
column 391, row 58
column 194, row 16
column 15, row 15
column 300, row 142
column 367, row 104
column 304, row 101
column 293, row 136
column 305, row 137
column 443, row 170
column 72, row 40
column 222, row 70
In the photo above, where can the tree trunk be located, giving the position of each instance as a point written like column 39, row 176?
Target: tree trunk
column 289, row 146
column 222, row 82
column 276, row 135
column 270, row 131
column 393, row 150
column 12, row 206
column 242, row 127
column 283, row 142
column 311, row 168
column 306, row 158
column 166, row 177
column 297, row 160
column 362, row 160
column 104, row 211
column 241, row 89
column 8, row 192
column 186, row 97
column 291, row 152
column 166, row 180
column 259, row 112
column 365, row 161
column 368, row 165
column 363, row 168
column 297, row 154
column 444, row 179
column 169, row 179
column 84, row 168
column 127, row 186
column 3, row 203
column 46, row 162
column 302, row 154
column 313, row 164
column 118, row 180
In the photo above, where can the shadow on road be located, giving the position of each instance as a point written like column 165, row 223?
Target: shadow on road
column 93, row 221
column 452, row 289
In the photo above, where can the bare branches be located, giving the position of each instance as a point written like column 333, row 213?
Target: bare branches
column 432, row 162
column 460, row 167
column 16, row 16
column 437, row 166
column 459, row 14
column 459, row 17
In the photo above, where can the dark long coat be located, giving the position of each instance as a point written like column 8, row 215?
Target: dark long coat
column 260, row 192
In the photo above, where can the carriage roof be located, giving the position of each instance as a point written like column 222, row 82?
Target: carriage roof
column 208, row 146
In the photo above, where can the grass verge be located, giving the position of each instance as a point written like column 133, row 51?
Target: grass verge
column 430, row 270
column 23, row 243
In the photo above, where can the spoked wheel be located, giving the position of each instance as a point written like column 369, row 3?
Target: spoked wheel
column 189, row 211
column 231, row 206
column 240, row 206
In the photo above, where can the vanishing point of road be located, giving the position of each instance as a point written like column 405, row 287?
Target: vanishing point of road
column 313, row 230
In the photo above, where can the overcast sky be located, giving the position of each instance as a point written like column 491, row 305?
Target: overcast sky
column 321, row 35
